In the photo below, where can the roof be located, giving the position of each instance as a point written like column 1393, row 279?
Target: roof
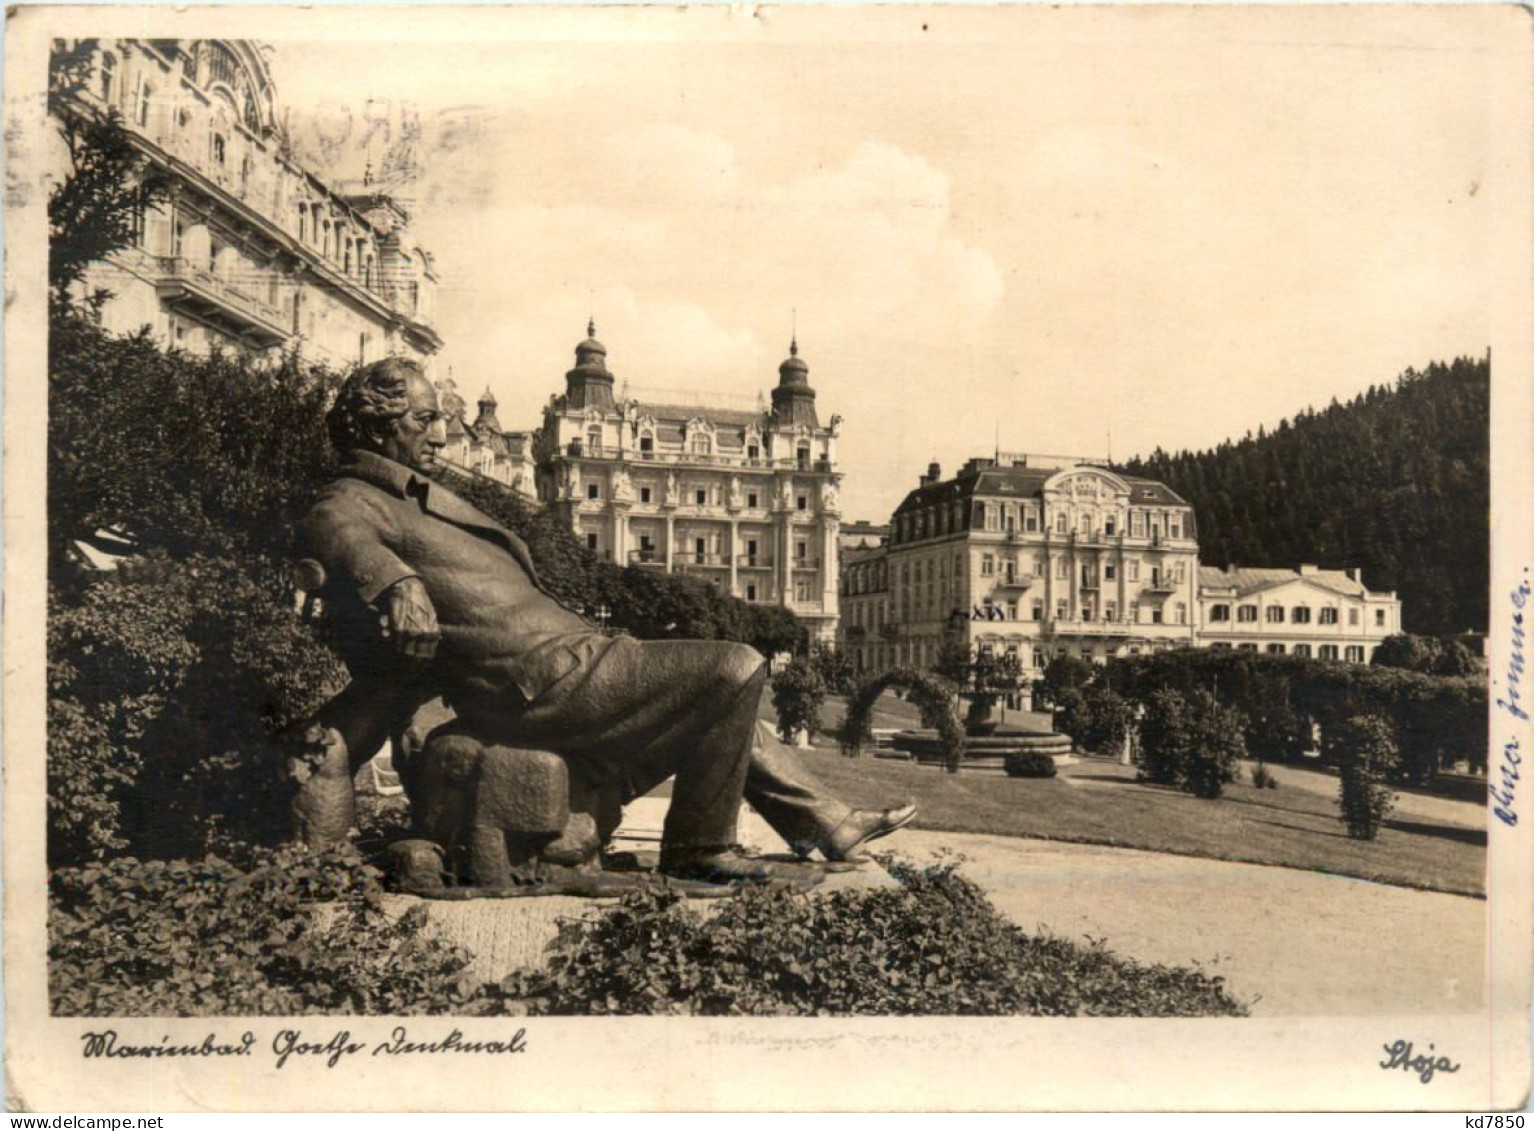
column 1247, row 580
column 1023, row 483
column 681, row 414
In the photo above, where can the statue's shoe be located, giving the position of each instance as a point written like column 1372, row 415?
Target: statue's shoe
column 722, row 866
column 862, row 826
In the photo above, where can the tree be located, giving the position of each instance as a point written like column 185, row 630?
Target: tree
column 1096, row 718
column 798, row 693
column 100, row 205
column 835, row 668
column 1364, row 749
column 1190, row 742
column 1062, row 673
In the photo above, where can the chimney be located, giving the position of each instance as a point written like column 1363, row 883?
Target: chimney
column 1308, row 569
column 1357, row 574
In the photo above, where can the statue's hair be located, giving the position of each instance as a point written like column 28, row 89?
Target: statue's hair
column 370, row 401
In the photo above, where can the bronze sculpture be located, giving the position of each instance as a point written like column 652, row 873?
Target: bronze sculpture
column 437, row 599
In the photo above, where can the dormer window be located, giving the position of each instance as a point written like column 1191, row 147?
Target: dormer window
column 702, row 445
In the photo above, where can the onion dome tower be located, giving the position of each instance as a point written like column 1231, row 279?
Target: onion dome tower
column 793, row 401
column 487, row 418
column 589, row 384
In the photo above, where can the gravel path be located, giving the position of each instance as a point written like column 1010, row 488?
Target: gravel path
column 1288, row 942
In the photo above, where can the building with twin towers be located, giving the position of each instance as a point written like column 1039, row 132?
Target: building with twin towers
column 744, row 499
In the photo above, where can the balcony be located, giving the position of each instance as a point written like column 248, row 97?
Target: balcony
column 1016, row 581
column 1115, row 627
column 753, row 561
column 647, row 558
column 1090, row 584
column 1160, row 587
column 694, row 560
column 806, row 565
column 182, row 285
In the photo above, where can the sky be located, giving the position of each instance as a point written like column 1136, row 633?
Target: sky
column 1054, row 230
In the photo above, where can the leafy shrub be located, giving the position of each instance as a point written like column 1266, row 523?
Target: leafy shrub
column 798, row 693
column 1262, row 777
column 167, row 684
column 1190, row 742
column 1063, row 673
column 131, row 938
column 1096, row 718
column 1426, row 654
column 835, row 668
column 934, row 697
column 1364, row 751
column 933, row 946
column 1437, row 719
column 1030, row 764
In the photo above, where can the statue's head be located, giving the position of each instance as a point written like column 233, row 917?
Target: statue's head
column 389, row 408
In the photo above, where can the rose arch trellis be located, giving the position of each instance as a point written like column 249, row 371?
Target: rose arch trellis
column 934, row 697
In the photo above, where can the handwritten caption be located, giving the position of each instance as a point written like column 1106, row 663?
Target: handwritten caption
column 1504, row 784
column 292, row 1043
column 1401, row 1054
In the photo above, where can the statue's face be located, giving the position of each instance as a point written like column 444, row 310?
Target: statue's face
column 420, row 433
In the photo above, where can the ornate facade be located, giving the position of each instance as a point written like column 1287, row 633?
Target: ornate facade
column 744, row 500
column 1038, row 561
column 252, row 252
column 482, row 446
column 1079, row 560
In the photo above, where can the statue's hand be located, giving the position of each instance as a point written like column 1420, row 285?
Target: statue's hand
column 410, row 620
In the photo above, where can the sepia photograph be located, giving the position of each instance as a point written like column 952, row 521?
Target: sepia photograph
column 621, row 558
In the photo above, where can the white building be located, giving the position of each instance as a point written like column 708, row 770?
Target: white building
column 746, row 500
column 252, row 252
column 482, row 447
column 1327, row 614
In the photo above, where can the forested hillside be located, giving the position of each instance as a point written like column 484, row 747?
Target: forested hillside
column 1395, row 481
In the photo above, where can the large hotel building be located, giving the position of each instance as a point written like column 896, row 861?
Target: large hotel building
column 251, row 252
column 746, row 500
column 1075, row 559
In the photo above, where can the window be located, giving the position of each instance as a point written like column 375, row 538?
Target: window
column 108, row 76
column 145, row 97
column 1379, row 618
column 1219, row 614
column 1155, row 616
column 1062, row 570
column 1132, row 570
column 1137, row 524
column 593, row 491
column 801, row 551
column 1327, row 652
column 647, row 447
column 753, row 452
column 1275, row 649
column 1038, row 659
column 1355, row 654
column 1062, row 609
column 1246, row 647
column 1174, row 527
column 987, row 565
column 1060, row 523
column 1031, row 523
column 591, row 541
column 1302, row 650
column 644, row 494
column 1275, row 614
column 1353, row 617
column 804, row 589
column 218, row 149
column 1038, row 608
column 1110, row 571
column 1300, row 615
column 802, row 502
column 802, row 457
column 750, row 591
column 700, row 497
column 751, row 499
column 1182, row 613
column 1110, row 612
column 1011, row 610
column 702, row 445
column 593, row 441
column 1246, row 614
column 1328, row 616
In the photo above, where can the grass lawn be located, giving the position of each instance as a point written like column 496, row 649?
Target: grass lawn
column 1103, row 804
